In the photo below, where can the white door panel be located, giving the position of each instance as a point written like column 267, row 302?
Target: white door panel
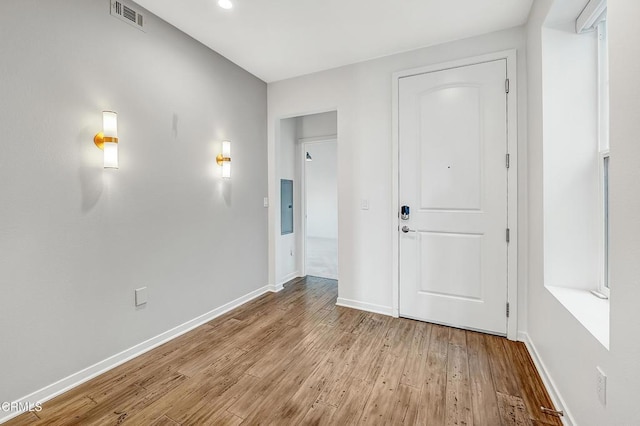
column 454, row 164
column 453, row 264
column 453, row 142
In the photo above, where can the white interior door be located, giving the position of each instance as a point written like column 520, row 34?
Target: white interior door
column 453, row 176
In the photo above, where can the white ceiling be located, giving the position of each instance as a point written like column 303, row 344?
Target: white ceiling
column 279, row 39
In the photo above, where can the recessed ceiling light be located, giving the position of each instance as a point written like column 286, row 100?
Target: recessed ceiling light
column 225, row 4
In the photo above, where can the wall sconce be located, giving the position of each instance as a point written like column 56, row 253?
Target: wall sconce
column 107, row 139
column 224, row 159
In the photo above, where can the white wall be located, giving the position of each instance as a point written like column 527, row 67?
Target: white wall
column 76, row 239
column 571, row 174
column 322, row 190
column 362, row 95
column 287, row 245
column 568, row 351
column 624, row 69
column 324, row 124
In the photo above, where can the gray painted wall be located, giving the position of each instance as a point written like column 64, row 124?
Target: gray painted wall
column 77, row 239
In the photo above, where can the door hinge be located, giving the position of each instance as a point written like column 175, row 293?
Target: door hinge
column 508, row 234
column 508, row 158
column 506, row 85
column 507, row 309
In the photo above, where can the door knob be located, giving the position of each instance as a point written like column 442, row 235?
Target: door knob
column 406, row 229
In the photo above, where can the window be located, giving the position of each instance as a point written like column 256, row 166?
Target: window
column 603, row 147
column 576, row 166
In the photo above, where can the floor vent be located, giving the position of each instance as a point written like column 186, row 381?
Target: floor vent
column 127, row 14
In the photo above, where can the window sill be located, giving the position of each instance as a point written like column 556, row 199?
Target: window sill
column 591, row 311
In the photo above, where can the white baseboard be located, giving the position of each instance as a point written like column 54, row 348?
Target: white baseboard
column 288, row 278
column 76, row 379
column 275, row 288
column 364, row 306
column 556, row 398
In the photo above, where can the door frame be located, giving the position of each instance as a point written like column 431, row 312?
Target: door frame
column 302, row 143
column 512, row 176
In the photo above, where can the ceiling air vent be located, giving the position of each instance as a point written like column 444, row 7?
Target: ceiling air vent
column 127, row 14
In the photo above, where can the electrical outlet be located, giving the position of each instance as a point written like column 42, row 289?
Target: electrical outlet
column 266, row 202
column 141, row 296
column 364, row 204
column 601, row 386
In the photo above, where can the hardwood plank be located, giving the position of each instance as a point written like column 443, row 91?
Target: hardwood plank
column 206, row 391
column 26, row 419
column 483, row 393
column 114, row 410
column 353, row 403
column 214, row 358
column 290, row 337
column 164, row 421
column 370, row 334
column 214, row 407
column 58, row 413
column 458, row 396
column 318, row 414
column 433, row 391
column 405, row 408
column 294, row 410
column 501, row 367
column 417, row 357
column 512, row 410
column 338, row 360
column 287, row 382
column 344, row 319
column 532, row 390
column 379, row 407
column 375, row 357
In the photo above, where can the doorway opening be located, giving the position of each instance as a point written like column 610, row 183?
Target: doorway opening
column 306, row 161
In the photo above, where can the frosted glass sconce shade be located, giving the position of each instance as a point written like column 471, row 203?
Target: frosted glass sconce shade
column 107, row 140
column 224, row 159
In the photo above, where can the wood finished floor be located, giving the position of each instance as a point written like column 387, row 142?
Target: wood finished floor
column 295, row 358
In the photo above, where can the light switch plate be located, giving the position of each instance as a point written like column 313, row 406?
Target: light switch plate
column 141, row 296
column 364, row 204
column 266, row 201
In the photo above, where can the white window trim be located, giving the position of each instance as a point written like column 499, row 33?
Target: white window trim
column 593, row 13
